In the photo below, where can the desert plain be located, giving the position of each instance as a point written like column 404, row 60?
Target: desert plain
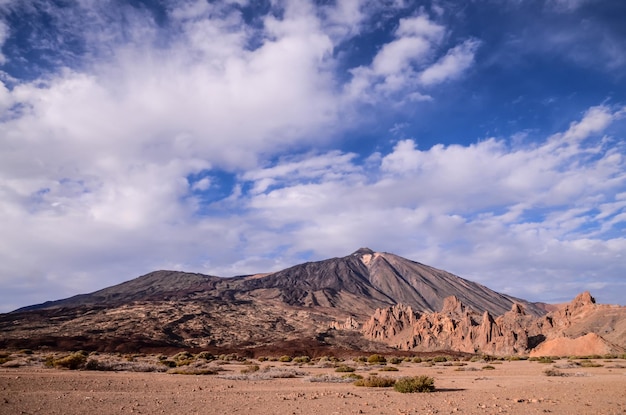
column 249, row 386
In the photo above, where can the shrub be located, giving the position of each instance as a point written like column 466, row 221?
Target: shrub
column 284, row 358
column 251, row 369
column 344, row 368
column 589, row 363
column 74, row 361
column 182, row 356
column 415, row 384
column 168, row 363
column 376, row 359
column 417, row 360
column 360, row 359
column 352, row 376
column 395, row 360
column 389, row 369
column 439, row 359
column 205, row 356
column 376, row 382
column 302, row 359
column 554, row 372
column 489, row 367
column 193, row 371
column 327, row 378
column 262, row 359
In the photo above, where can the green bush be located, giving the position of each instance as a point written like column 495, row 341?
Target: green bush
column 417, row 360
column 376, row 359
column 302, row 359
column 439, row 359
column 411, row 384
column 344, row 368
column 284, row 358
column 74, row 361
column 376, row 382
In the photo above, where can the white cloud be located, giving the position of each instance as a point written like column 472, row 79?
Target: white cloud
column 452, row 65
column 407, row 61
column 486, row 211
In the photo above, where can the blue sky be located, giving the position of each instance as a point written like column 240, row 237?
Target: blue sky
column 486, row 138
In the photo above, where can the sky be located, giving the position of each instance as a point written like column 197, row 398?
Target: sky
column 485, row 137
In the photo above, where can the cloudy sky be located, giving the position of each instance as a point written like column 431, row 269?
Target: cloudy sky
column 484, row 137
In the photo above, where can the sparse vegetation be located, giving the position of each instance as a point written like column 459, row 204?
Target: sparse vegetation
column 73, row 361
column 417, row 360
column 376, row 359
column 489, row 367
column 344, row 368
column 285, row 359
column 205, row 356
column 542, row 359
column 389, row 369
column 327, row 378
column 193, row 371
column 302, row 359
column 251, row 369
column 554, row 372
column 376, row 382
column 126, row 366
column 412, row 384
column 395, row 360
column 589, row 363
column 439, row 359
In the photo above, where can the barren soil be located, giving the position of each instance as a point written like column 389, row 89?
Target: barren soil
column 516, row 387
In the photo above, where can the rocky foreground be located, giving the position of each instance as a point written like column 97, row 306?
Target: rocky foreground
column 461, row 387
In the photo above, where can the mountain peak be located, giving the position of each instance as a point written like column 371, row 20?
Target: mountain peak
column 363, row 251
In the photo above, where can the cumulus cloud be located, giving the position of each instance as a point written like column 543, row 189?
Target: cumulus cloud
column 407, row 61
column 469, row 208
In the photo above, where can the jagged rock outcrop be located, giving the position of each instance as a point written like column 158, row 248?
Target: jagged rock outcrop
column 457, row 327
column 349, row 324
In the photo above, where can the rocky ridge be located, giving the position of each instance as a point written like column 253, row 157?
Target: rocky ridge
column 580, row 325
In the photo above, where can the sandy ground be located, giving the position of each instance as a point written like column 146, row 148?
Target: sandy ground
column 517, row 387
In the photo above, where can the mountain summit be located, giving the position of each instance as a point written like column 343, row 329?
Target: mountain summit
column 178, row 309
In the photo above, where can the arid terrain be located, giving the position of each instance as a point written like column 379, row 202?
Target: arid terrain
column 299, row 341
column 463, row 386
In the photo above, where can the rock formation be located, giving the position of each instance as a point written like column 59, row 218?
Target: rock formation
column 457, row 327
